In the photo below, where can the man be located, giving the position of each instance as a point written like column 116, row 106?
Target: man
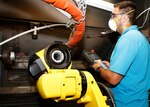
column 129, row 62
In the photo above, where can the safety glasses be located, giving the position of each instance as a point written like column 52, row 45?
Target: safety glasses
column 113, row 15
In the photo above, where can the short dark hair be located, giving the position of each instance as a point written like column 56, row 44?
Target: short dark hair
column 128, row 6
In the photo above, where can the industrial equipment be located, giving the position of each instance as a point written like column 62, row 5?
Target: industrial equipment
column 51, row 69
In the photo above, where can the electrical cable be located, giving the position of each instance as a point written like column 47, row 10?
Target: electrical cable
column 77, row 19
column 148, row 10
column 29, row 31
column 142, row 12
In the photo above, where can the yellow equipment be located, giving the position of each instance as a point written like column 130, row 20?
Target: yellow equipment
column 51, row 67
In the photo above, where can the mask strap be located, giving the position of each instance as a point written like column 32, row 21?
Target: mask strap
column 130, row 11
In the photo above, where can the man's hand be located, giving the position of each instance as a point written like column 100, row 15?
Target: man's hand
column 110, row 76
column 96, row 65
column 106, row 63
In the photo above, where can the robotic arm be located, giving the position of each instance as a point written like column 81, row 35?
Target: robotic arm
column 78, row 15
column 51, row 68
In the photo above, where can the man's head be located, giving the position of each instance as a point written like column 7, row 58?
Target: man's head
column 128, row 8
column 124, row 14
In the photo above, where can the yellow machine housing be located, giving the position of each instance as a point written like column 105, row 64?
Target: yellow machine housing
column 63, row 84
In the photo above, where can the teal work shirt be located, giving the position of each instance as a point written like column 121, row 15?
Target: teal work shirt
column 130, row 58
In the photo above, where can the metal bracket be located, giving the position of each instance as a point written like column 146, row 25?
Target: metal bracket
column 82, row 6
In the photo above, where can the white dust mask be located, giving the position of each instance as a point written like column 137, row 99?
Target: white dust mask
column 112, row 24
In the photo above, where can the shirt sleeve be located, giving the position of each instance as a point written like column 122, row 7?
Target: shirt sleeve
column 123, row 55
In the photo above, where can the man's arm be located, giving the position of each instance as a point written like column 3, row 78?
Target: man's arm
column 111, row 77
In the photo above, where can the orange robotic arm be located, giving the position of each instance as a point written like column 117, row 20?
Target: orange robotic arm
column 77, row 15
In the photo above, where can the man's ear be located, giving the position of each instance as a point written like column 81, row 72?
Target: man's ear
column 125, row 18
